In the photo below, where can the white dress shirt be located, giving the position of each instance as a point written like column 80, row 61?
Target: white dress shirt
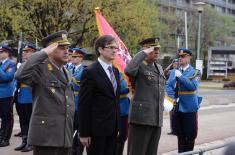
column 105, row 67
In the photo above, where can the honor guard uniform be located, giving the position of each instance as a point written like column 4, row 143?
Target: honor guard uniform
column 187, row 101
column 124, row 105
column 146, row 110
column 7, row 71
column 69, row 65
column 76, row 70
column 51, row 124
column 24, row 103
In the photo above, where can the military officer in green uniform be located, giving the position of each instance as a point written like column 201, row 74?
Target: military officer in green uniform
column 146, row 111
column 51, row 125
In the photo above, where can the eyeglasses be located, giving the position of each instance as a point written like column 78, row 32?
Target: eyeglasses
column 112, row 47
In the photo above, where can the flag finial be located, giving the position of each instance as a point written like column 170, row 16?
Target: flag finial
column 97, row 9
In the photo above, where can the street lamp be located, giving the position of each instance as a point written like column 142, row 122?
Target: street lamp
column 199, row 63
column 199, row 9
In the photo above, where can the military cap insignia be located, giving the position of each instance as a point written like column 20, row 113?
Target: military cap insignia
column 53, row 90
column 49, row 66
column 181, row 52
column 64, row 36
column 156, row 40
column 149, row 77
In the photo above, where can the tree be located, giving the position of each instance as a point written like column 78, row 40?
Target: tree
column 38, row 18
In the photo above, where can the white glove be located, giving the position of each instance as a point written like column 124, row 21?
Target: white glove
column 168, row 105
column 177, row 73
column 18, row 65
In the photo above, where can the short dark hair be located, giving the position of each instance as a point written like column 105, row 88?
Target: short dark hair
column 102, row 41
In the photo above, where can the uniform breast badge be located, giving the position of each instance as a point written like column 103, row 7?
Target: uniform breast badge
column 49, row 66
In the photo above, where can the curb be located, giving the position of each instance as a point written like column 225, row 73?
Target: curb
column 202, row 146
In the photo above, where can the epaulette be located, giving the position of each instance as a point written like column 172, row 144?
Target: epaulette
column 194, row 75
column 145, row 63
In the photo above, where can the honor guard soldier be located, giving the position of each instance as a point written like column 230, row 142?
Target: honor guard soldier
column 146, row 111
column 77, row 58
column 69, row 65
column 51, row 124
column 7, row 71
column 24, row 103
column 187, row 102
column 124, row 105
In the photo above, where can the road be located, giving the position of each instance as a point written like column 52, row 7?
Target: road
column 216, row 122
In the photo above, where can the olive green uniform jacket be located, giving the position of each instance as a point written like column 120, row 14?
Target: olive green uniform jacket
column 53, row 102
column 148, row 82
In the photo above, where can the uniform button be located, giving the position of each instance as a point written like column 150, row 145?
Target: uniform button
column 43, row 122
column 67, row 115
column 67, row 97
column 67, row 105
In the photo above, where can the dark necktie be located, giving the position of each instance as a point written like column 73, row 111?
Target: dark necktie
column 112, row 79
column 0, row 63
column 73, row 69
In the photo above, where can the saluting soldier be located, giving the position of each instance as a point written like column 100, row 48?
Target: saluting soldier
column 24, row 103
column 187, row 102
column 51, row 124
column 146, row 111
column 77, row 58
column 7, row 71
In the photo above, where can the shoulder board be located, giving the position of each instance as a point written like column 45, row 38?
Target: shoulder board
column 194, row 75
column 145, row 63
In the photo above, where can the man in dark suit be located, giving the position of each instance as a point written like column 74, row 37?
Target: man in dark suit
column 51, row 124
column 98, row 100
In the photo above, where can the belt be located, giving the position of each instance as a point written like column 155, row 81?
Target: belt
column 23, row 85
column 186, row 92
column 76, row 92
column 123, row 96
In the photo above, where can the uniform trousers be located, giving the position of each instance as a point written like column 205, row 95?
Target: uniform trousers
column 6, row 114
column 173, row 121
column 24, row 111
column 143, row 139
column 43, row 150
column 187, row 127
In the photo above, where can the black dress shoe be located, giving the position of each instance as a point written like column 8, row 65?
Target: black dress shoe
column 20, row 147
column 18, row 134
column 27, row 148
column 4, row 143
column 23, row 144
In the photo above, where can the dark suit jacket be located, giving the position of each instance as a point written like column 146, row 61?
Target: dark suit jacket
column 98, row 104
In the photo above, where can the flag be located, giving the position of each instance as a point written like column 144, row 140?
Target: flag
column 123, row 57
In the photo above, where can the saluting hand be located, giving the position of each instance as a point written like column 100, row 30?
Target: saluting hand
column 86, row 141
column 148, row 50
column 50, row 49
